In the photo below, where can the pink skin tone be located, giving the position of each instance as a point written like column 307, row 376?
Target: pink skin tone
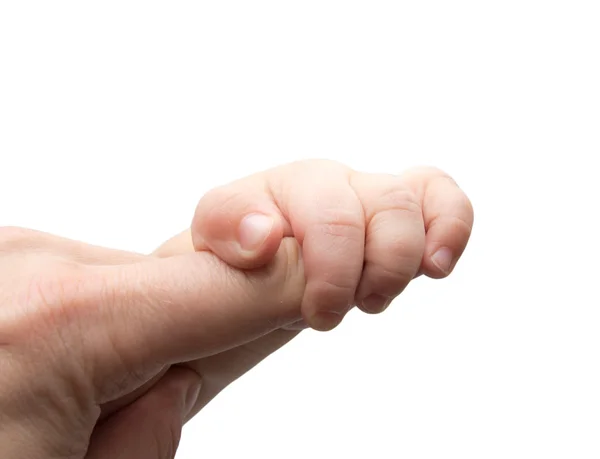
column 364, row 236
column 108, row 353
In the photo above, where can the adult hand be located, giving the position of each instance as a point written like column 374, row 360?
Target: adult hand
column 85, row 330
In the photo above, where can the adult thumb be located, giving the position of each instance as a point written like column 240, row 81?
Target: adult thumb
column 150, row 427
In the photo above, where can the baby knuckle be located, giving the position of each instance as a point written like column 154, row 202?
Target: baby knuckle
column 431, row 173
column 343, row 227
column 397, row 197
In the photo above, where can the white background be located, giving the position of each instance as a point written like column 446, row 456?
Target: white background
column 116, row 117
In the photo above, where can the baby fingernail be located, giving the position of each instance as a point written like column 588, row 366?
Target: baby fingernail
column 443, row 259
column 254, row 230
column 376, row 303
column 326, row 320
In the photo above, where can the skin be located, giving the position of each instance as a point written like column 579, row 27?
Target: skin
column 106, row 354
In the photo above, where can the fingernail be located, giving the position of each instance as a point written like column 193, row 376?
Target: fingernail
column 191, row 397
column 254, row 230
column 443, row 259
column 326, row 320
column 375, row 303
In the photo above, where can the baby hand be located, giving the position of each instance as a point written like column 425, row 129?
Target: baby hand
column 364, row 236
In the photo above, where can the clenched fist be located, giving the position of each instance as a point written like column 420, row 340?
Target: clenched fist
column 364, row 237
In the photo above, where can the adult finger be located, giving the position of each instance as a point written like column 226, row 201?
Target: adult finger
column 129, row 321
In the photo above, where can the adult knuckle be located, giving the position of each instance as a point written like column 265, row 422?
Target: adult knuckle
column 45, row 305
